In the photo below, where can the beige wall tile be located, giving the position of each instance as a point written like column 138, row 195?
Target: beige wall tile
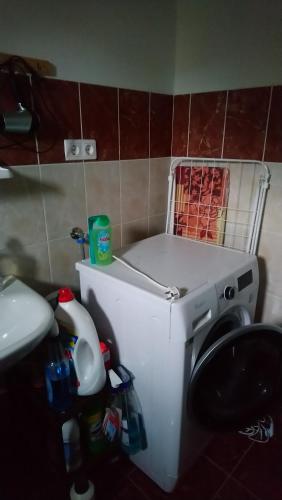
column 64, row 253
column 134, row 189
column 272, row 310
column 157, row 224
column 21, row 208
column 134, row 231
column 64, row 198
column 116, row 237
column 29, row 263
column 103, row 189
column 270, row 249
column 159, row 170
column 272, row 220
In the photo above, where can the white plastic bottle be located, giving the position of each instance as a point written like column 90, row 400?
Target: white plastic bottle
column 71, row 440
column 87, row 356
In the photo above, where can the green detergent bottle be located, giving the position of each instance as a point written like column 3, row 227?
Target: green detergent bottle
column 100, row 240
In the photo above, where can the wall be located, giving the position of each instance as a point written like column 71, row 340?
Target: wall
column 242, row 124
column 121, row 43
column 227, row 45
column 47, row 197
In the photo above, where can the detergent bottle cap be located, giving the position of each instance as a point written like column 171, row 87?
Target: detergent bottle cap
column 65, row 295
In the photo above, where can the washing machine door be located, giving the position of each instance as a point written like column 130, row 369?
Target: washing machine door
column 238, row 377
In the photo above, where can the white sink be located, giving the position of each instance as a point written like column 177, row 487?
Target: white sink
column 25, row 318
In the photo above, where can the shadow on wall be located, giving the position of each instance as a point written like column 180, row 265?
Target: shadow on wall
column 262, row 289
column 14, row 260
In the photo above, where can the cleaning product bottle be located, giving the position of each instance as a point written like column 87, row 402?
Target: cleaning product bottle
column 82, row 489
column 100, row 239
column 87, row 356
column 133, row 437
column 57, row 376
column 71, row 440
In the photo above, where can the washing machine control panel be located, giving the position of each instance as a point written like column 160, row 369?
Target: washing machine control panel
column 229, row 292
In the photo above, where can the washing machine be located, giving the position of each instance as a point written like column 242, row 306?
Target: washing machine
column 191, row 355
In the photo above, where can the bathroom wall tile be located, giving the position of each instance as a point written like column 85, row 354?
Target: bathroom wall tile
column 16, row 155
column 21, row 209
column 103, row 189
column 159, row 170
column 273, row 209
column 134, row 189
column 157, row 224
column 246, row 123
column 64, row 197
column 57, row 102
column 270, row 250
column 134, row 124
column 99, row 110
column 134, row 231
column 272, row 309
column 181, row 105
column 273, row 150
column 64, row 253
column 160, row 125
column 207, row 113
column 116, row 237
column 29, row 263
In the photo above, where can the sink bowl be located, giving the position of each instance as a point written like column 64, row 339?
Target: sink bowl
column 25, row 316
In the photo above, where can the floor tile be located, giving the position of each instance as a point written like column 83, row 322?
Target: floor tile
column 201, row 482
column 234, row 491
column 261, row 470
column 226, row 449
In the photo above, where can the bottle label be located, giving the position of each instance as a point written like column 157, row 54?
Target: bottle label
column 124, row 432
column 104, row 244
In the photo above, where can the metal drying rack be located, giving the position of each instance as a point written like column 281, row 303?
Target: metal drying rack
column 235, row 215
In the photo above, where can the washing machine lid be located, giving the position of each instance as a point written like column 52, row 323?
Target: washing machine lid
column 238, row 378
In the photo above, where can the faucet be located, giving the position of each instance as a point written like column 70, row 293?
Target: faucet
column 4, row 281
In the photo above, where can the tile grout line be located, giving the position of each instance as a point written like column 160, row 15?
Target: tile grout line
column 224, row 123
column 120, row 173
column 188, row 126
column 149, row 180
column 267, row 123
column 230, row 474
column 45, row 221
column 35, row 135
column 83, row 162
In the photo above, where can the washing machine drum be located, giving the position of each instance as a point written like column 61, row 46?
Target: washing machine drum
column 239, row 377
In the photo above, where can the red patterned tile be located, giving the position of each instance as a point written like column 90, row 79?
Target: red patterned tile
column 273, row 150
column 206, row 124
column 99, row 109
column 181, row 105
column 160, row 125
column 246, row 123
column 134, row 124
column 234, row 491
column 16, row 154
column 226, row 449
column 58, row 104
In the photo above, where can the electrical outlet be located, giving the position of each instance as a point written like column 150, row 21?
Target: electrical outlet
column 80, row 149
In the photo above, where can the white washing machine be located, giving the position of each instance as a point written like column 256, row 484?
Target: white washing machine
column 170, row 345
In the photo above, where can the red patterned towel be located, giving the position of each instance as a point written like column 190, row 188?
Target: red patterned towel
column 200, row 203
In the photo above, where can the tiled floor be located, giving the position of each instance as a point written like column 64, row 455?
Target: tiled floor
column 231, row 468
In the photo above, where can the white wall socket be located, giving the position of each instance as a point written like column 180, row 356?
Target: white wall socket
column 80, row 149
